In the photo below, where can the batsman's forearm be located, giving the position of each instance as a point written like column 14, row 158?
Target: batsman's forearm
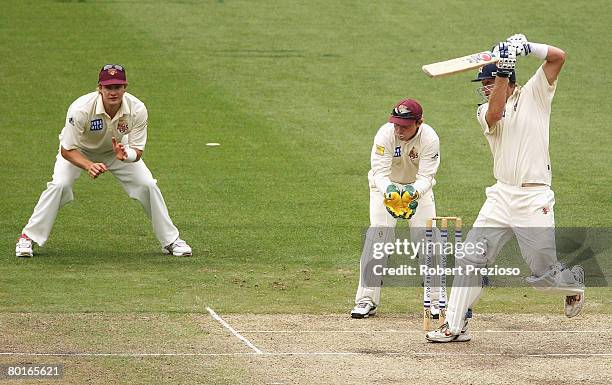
column 497, row 101
column 76, row 157
column 555, row 58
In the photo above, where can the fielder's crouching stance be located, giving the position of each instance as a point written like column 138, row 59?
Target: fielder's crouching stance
column 515, row 122
column 88, row 142
column 404, row 160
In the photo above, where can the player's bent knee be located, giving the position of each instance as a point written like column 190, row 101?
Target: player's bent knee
column 145, row 183
column 475, row 259
column 60, row 184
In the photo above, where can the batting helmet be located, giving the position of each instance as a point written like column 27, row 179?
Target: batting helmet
column 489, row 71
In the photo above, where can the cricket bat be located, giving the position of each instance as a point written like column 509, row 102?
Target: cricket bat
column 460, row 64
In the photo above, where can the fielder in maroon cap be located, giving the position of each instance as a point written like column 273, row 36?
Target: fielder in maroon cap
column 105, row 130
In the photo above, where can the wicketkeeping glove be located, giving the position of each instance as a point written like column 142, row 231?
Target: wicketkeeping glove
column 393, row 201
column 409, row 194
column 507, row 59
column 409, row 210
column 409, row 200
column 519, row 41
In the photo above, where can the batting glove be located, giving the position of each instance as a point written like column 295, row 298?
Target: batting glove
column 507, row 59
column 393, row 201
column 519, row 41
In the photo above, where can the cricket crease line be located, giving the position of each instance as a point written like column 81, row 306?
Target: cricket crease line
column 234, row 332
column 273, row 354
column 421, row 332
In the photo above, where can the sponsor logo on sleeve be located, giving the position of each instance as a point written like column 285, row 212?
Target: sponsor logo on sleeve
column 380, row 150
column 71, row 120
column 96, row 125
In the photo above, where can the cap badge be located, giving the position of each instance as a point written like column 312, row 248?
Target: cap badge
column 402, row 109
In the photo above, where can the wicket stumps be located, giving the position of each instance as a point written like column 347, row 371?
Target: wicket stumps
column 429, row 262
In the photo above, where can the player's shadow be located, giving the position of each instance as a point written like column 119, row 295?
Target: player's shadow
column 93, row 255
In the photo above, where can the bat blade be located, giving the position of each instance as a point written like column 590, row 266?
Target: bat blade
column 460, row 64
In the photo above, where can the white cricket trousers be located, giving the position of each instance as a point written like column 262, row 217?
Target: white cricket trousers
column 135, row 178
column 525, row 212
column 382, row 229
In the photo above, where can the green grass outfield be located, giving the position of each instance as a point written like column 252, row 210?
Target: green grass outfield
column 294, row 92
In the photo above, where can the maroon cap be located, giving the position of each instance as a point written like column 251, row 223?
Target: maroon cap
column 112, row 74
column 406, row 112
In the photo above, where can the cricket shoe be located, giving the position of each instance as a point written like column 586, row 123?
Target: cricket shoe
column 443, row 334
column 465, row 335
column 574, row 303
column 363, row 309
column 24, row 247
column 178, row 248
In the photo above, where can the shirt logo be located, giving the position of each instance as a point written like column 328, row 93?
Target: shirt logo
column 398, row 152
column 71, row 120
column 122, row 126
column 413, row 154
column 545, row 210
column 435, row 156
column 380, row 150
column 96, row 125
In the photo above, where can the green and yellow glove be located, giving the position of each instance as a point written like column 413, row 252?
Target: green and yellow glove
column 409, row 201
column 410, row 194
column 393, row 201
column 409, row 210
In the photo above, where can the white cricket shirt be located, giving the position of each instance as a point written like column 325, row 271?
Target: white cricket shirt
column 415, row 161
column 519, row 141
column 88, row 127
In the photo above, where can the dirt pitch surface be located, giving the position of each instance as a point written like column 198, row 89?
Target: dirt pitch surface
column 307, row 349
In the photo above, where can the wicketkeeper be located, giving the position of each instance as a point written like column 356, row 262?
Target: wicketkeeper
column 404, row 159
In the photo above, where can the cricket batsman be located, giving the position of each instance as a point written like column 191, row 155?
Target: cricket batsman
column 404, row 160
column 515, row 121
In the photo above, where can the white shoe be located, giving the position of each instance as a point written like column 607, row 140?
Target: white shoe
column 574, row 303
column 465, row 333
column 178, row 248
column 363, row 310
column 443, row 334
column 24, row 247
